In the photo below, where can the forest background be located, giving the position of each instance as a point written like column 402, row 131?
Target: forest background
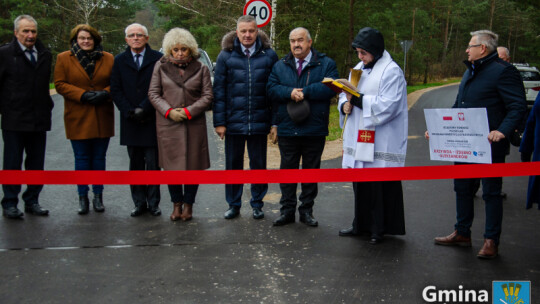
column 439, row 29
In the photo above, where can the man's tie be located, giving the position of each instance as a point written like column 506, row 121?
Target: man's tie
column 247, row 53
column 137, row 63
column 300, row 63
column 32, row 58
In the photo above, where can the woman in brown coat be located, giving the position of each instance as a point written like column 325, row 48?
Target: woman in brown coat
column 181, row 92
column 82, row 77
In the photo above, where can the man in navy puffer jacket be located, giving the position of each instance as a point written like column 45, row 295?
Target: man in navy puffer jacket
column 242, row 112
column 296, row 79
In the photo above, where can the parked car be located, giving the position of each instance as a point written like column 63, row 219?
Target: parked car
column 205, row 59
column 531, row 81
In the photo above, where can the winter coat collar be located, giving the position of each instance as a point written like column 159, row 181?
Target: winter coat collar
column 315, row 57
column 478, row 64
column 150, row 56
column 17, row 48
column 230, row 42
column 171, row 70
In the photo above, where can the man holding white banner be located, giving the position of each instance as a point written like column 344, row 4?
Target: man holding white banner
column 495, row 85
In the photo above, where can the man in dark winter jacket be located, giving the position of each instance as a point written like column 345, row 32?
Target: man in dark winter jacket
column 301, row 117
column 489, row 82
column 25, row 107
column 130, row 79
column 242, row 111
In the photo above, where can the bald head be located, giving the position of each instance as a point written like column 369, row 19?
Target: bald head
column 300, row 41
column 504, row 53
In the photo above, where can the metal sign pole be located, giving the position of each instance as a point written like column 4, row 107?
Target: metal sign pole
column 405, row 45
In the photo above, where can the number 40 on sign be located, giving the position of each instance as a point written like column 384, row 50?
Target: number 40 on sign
column 260, row 10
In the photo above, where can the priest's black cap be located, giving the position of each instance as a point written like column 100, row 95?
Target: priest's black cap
column 371, row 40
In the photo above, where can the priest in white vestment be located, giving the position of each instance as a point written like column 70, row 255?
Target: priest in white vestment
column 375, row 136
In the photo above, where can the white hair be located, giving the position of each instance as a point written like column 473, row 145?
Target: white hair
column 145, row 30
column 21, row 17
column 180, row 36
column 487, row 38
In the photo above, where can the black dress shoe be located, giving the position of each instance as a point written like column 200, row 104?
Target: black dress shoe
column 98, row 203
column 308, row 220
column 12, row 213
column 375, row 239
column 232, row 213
column 36, row 209
column 84, row 204
column 347, row 232
column 155, row 211
column 284, row 220
column 258, row 213
column 138, row 210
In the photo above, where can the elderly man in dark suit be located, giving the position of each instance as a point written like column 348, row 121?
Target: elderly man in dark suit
column 130, row 79
column 25, row 108
column 295, row 83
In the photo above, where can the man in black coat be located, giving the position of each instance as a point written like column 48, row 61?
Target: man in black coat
column 25, row 108
column 496, row 85
column 130, row 79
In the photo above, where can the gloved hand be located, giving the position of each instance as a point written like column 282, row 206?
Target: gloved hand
column 526, row 156
column 176, row 115
column 86, row 96
column 99, row 97
column 139, row 115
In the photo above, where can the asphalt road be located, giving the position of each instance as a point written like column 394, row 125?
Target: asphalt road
column 113, row 258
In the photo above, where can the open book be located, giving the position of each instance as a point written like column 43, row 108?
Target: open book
column 340, row 85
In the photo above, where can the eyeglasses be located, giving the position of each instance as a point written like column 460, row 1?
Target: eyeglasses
column 474, row 45
column 139, row 35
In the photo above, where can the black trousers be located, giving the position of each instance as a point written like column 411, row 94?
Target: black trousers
column 183, row 193
column 17, row 143
column 235, row 146
column 144, row 158
column 309, row 149
column 491, row 193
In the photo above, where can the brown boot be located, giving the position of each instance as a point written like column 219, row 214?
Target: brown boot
column 453, row 239
column 177, row 212
column 489, row 250
column 187, row 214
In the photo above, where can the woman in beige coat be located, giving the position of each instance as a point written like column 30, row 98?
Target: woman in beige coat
column 82, row 76
column 181, row 92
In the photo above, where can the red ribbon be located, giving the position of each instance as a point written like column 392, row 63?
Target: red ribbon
column 16, row 177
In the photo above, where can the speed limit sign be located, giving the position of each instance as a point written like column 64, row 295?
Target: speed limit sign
column 260, row 10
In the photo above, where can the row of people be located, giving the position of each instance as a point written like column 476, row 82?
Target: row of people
column 163, row 100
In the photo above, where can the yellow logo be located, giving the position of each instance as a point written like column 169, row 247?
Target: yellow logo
column 512, row 292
